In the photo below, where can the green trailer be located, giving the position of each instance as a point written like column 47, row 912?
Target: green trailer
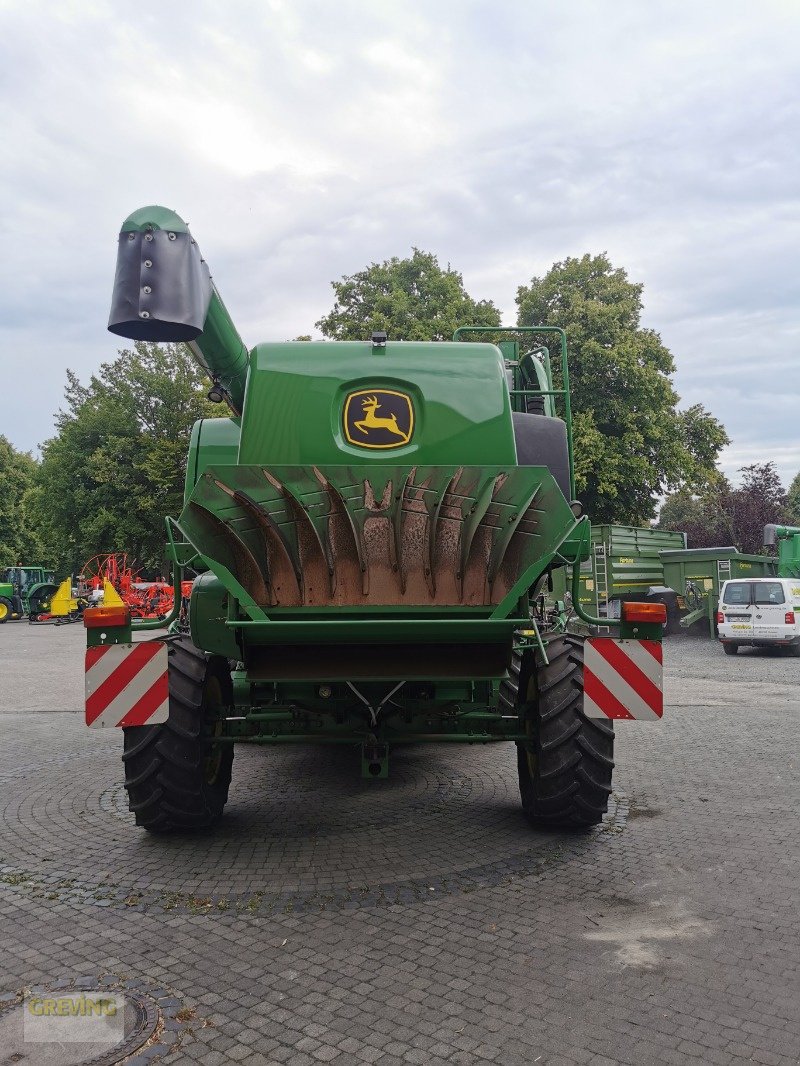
column 695, row 576
column 373, row 523
column 624, row 565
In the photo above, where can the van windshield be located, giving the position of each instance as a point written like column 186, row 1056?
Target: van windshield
column 768, row 592
column 737, row 593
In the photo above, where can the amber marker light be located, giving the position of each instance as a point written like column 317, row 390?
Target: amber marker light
column 654, row 613
column 97, row 617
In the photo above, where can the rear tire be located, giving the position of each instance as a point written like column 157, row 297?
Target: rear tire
column 730, row 649
column 6, row 610
column 175, row 776
column 565, row 769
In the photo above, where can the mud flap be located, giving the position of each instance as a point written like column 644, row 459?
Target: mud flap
column 623, row 679
column 126, row 684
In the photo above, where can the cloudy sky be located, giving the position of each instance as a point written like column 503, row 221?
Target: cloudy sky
column 303, row 139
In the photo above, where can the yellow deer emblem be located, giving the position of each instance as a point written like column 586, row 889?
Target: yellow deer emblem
column 372, row 421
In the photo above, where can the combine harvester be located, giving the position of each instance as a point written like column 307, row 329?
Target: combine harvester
column 373, row 523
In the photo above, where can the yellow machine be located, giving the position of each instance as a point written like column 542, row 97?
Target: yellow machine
column 64, row 606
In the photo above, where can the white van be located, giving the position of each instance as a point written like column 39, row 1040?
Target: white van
column 760, row 612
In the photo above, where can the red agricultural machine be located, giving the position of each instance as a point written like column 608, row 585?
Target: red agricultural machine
column 145, row 599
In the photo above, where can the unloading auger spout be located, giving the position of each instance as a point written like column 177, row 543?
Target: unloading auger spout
column 163, row 292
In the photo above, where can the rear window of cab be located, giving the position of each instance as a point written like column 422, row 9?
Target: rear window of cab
column 760, row 593
column 768, row 592
column 737, row 593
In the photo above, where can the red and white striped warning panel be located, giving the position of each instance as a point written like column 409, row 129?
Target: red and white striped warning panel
column 623, row 679
column 126, row 684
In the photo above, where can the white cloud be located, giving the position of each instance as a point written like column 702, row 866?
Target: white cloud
column 303, row 140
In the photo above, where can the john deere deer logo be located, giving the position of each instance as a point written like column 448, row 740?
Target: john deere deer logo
column 378, row 418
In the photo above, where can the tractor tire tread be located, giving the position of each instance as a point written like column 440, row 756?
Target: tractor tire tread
column 165, row 764
column 566, row 767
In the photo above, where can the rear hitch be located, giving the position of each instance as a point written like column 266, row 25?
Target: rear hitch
column 374, row 758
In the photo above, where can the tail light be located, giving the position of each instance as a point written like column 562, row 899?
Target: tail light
column 644, row 612
column 789, row 618
column 720, row 618
column 99, row 617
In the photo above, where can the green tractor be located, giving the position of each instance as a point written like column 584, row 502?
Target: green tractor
column 373, row 524
column 25, row 590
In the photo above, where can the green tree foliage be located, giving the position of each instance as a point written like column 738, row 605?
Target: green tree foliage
column 793, row 502
column 631, row 442
column 725, row 515
column 759, row 499
column 411, row 299
column 704, row 519
column 18, row 540
column 116, row 465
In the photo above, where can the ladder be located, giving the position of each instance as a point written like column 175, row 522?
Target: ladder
column 601, row 582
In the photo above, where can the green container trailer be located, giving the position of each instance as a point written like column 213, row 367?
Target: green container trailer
column 624, row 564
column 695, row 576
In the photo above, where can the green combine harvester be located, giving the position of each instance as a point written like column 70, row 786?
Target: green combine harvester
column 372, row 523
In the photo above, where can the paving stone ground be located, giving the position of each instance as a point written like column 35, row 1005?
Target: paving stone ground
column 420, row 919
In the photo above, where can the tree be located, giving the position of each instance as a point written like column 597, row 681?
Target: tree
column 631, row 442
column 116, row 465
column 19, row 542
column 704, row 519
column 793, row 502
column 759, row 499
column 411, row 299
column 723, row 515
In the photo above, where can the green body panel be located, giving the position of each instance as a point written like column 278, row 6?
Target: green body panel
column 296, row 395
column 155, row 217
column 787, row 539
column 213, row 442
column 208, row 618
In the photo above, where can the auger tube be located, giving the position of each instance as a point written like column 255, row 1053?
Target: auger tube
column 163, row 292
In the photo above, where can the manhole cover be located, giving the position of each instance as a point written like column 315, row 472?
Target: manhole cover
column 21, row 1021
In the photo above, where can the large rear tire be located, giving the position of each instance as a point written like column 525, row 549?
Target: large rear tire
column 565, row 769
column 176, row 777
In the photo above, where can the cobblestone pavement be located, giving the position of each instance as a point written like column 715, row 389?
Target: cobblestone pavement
column 419, row 919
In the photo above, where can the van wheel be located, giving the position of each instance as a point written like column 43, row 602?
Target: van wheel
column 730, row 649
